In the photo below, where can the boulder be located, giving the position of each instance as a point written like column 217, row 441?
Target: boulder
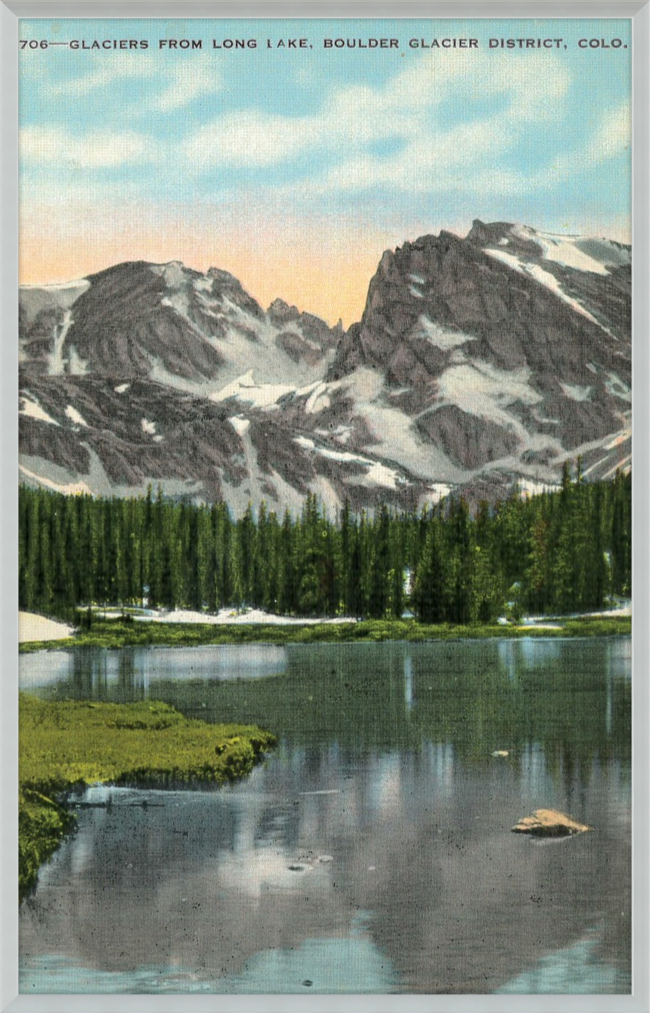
column 549, row 823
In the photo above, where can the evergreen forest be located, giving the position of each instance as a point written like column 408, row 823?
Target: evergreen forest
column 556, row 552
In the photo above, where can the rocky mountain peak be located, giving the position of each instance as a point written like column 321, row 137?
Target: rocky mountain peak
column 280, row 312
column 477, row 361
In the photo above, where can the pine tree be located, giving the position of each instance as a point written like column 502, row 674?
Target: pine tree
column 430, row 598
column 565, row 550
column 379, row 590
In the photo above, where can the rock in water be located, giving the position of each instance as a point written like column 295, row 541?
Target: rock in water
column 549, row 823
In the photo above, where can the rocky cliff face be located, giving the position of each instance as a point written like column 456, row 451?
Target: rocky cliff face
column 169, row 323
column 477, row 362
column 507, row 341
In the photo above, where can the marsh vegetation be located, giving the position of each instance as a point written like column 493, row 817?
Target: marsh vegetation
column 74, row 743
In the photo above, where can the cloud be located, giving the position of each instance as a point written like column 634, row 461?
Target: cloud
column 411, row 108
column 468, row 126
column 187, row 78
column 612, row 136
column 110, row 69
column 252, row 138
column 101, row 149
column 195, row 77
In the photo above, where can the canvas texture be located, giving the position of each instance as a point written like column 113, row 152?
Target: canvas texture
column 325, row 506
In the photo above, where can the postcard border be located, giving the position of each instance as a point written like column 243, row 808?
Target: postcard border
column 639, row 13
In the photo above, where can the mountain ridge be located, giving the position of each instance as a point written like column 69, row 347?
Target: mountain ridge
column 479, row 361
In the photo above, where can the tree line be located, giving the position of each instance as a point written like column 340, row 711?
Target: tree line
column 559, row 551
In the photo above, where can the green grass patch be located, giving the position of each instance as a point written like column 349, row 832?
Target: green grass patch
column 114, row 633
column 608, row 626
column 76, row 743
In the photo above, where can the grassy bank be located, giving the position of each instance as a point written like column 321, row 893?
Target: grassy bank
column 118, row 633
column 69, row 744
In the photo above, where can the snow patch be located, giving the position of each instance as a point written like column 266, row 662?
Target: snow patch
column 530, row 487
column 340, row 455
column 396, row 439
column 375, row 474
column 617, row 440
column 438, row 491
column 415, row 292
column 75, row 416
column 57, row 365
column 173, row 273
column 35, row 298
column 123, row 387
column 622, row 465
column 442, row 337
column 485, row 391
column 417, row 278
column 64, row 286
column 231, row 616
column 379, row 474
column 341, row 434
column 34, row 411
column 178, row 301
column 319, row 393
column 545, row 420
column 239, row 424
column 148, row 427
column 575, row 392
column 364, row 384
column 34, row 627
column 245, row 388
column 614, row 385
column 69, row 488
column 592, row 467
column 544, row 278
column 76, row 365
column 565, row 250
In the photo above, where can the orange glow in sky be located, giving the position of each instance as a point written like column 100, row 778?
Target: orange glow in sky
column 322, row 267
column 319, row 270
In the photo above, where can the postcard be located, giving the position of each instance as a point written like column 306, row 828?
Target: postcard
column 325, row 536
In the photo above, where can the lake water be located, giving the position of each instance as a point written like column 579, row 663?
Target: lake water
column 372, row 851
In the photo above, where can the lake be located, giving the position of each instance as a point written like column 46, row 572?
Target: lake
column 372, row 851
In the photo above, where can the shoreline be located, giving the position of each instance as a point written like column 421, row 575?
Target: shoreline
column 126, row 632
column 147, row 744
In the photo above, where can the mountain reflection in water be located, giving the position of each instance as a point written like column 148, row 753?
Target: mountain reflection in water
column 384, row 766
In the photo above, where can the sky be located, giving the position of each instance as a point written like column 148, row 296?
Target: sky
column 295, row 168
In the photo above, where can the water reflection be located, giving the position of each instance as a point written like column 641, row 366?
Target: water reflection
column 385, row 767
column 127, row 673
column 571, row 698
column 214, row 881
column 408, row 681
column 576, row 970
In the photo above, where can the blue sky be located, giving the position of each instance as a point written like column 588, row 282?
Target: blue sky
column 240, row 157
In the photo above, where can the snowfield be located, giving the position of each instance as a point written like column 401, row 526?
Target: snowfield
column 32, row 627
column 231, row 616
column 34, row 411
column 544, row 278
column 35, row 627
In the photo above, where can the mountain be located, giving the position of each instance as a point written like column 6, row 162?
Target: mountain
column 168, row 323
column 478, row 362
